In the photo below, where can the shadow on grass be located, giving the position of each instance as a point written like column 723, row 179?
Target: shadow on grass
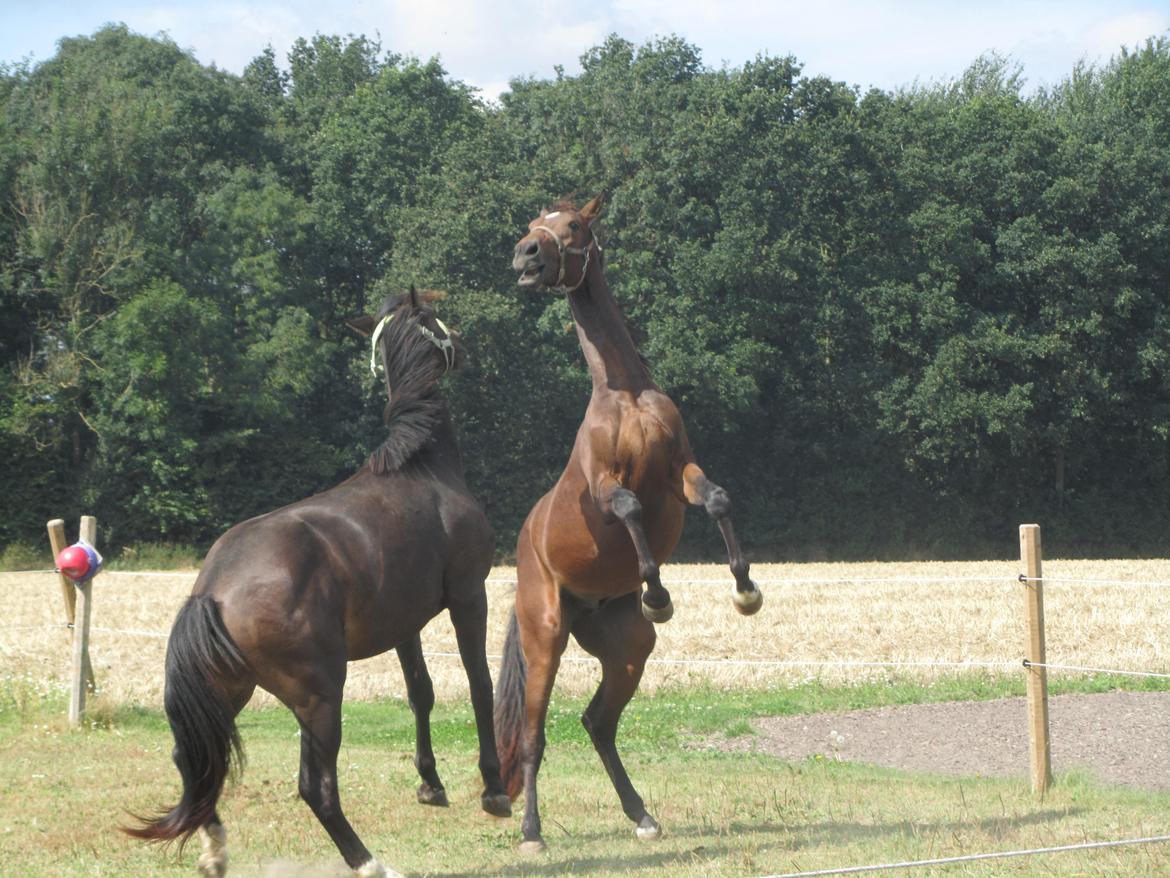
column 799, row 838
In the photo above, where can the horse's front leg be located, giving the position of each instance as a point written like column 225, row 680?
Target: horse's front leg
column 420, row 692
column 621, row 503
column 701, row 491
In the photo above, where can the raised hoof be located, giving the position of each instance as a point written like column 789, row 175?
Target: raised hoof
column 748, row 602
column 429, row 795
column 498, row 805
column 658, row 615
column 648, row 829
column 531, row 846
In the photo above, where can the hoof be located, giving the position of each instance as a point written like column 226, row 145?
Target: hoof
column 648, row 829
column 498, row 805
column 213, row 861
column 531, row 846
column 658, row 615
column 748, row 602
column 429, row 795
column 374, row 869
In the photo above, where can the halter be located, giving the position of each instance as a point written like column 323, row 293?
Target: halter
column 562, row 249
column 443, row 344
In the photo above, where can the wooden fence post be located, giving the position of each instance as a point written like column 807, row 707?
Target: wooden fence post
column 57, row 542
column 82, row 669
column 1040, row 747
column 78, row 610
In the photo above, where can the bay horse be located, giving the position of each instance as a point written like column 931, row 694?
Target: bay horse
column 285, row 599
column 607, row 525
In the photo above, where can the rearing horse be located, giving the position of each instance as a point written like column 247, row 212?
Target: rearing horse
column 284, row 600
column 614, row 516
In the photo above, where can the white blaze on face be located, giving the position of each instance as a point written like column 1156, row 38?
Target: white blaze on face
column 552, row 215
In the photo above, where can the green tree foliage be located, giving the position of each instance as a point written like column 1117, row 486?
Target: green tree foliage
column 897, row 323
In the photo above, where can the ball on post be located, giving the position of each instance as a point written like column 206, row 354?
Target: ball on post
column 79, row 562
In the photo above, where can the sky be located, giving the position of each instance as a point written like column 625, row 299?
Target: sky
column 877, row 43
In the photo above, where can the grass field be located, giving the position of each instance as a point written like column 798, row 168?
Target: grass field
column 63, row 791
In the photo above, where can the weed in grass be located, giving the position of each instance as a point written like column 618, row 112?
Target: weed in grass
column 29, row 694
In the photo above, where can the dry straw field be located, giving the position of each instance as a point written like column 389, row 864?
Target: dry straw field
column 830, row 622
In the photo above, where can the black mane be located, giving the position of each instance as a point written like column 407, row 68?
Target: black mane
column 413, row 366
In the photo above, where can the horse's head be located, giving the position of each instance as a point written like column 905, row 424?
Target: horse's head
column 412, row 348
column 406, row 333
column 556, row 251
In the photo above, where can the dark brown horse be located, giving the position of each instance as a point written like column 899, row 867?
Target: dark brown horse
column 614, row 516
column 284, row 600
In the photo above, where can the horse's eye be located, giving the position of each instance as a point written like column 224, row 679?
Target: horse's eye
column 574, row 225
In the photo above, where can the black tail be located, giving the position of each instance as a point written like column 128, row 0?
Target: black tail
column 510, row 710
column 200, row 653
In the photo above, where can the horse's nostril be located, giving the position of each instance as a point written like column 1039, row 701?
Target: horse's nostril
column 532, row 249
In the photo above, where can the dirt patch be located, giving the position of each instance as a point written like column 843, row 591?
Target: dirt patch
column 1120, row 738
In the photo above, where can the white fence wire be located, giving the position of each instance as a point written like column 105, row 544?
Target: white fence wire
column 970, row 858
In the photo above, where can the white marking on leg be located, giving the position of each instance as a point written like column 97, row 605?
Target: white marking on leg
column 213, row 862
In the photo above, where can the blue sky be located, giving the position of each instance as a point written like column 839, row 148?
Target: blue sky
column 885, row 44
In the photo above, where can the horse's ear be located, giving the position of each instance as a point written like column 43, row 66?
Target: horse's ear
column 428, row 296
column 413, row 297
column 363, row 325
column 592, row 210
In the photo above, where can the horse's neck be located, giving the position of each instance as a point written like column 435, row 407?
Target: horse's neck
column 609, row 351
column 444, row 447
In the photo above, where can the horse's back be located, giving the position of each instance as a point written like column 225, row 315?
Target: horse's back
column 361, row 567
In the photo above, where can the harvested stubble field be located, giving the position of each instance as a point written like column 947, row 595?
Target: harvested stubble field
column 835, row 623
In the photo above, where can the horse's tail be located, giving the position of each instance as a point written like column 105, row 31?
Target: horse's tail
column 510, row 710
column 200, row 653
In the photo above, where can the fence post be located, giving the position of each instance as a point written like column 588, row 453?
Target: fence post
column 56, row 529
column 82, row 676
column 1040, row 747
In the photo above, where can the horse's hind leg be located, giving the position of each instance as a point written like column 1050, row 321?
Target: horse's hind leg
column 421, row 694
column 213, row 858
column 318, row 710
column 469, row 618
column 701, row 491
column 621, row 638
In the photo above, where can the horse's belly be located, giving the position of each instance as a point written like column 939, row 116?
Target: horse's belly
column 380, row 625
column 596, row 557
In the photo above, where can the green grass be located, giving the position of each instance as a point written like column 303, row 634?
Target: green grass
column 155, row 556
column 63, row 791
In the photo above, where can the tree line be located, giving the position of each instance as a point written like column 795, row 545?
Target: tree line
column 897, row 323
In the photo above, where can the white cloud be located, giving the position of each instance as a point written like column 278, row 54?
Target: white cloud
column 888, row 44
column 1129, row 29
column 228, row 35
column 878, row 42
column 481, row 43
